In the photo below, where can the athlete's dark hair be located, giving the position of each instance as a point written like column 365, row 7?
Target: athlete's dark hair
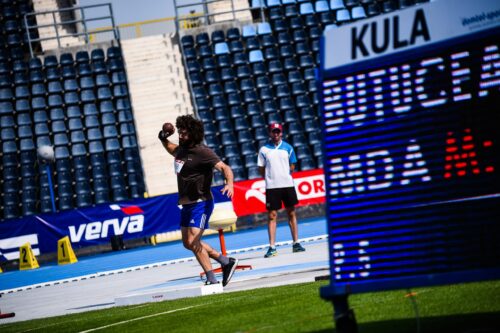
column 193, row 126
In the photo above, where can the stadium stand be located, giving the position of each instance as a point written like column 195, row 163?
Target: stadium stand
column 68, row 104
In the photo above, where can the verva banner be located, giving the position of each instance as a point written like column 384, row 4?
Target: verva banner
column 250, row 195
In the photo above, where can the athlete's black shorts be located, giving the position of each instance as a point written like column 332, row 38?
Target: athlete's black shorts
column 276, row 196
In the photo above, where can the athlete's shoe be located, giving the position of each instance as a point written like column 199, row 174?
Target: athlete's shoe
column 228, row 271
column 298, row 248
column 271, row 252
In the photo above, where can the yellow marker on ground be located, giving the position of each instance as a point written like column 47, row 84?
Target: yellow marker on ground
column 27, row 259
column 65, row 254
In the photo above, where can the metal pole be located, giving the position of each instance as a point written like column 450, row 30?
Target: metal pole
column 57, row 32
column 28, row 33
column 52, row 197
column 345, row 322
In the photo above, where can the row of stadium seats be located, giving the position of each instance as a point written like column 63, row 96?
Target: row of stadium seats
column 81, row 106
column 243, row 79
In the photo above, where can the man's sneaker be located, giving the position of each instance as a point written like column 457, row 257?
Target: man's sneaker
column 271, row 252
column 298, row 248
column 228, row 271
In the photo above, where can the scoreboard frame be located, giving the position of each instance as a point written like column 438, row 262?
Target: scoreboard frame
column 418, row 40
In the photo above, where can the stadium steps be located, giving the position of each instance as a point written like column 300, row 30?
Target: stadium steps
column 159, row 94
column 44, row 5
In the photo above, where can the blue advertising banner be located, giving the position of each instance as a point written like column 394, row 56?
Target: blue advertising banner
column 94, row 225
column 90, row 226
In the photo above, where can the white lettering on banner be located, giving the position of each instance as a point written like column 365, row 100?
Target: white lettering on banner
column 307, row 188
column 310, row 187
column 97, row 229
column 258, row 191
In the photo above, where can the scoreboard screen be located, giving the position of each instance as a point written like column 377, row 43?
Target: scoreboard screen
column 411, row 125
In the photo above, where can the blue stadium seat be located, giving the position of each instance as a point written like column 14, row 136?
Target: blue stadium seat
column 373, row 9
column 50, row 61
column 221, row 48
column 43, row 140
column 291, row 116
column 278, row 79
column 291, row 11
column 35, row 64
column 88, row 96
column 87, row 82
column 274, row 118
column 77, row 136
column 205, row 51
column 23, row 119
column 61, row 139
column 68, row 72
column 59, row 126
column 325, row 18
column 5, row 81
column 225, row 126
column 241, row 124
column 57, row 114
column 271, row 53
column 279, row 25
column 307, row 164
column 261, row 133
column 302, row 101
column 90, row 109
column 208, row 64
column 257, row 121
column 303, row 152
column 248, row 31
column 236, row 46
column 245, row 135
column 262, row 81
column 253, row 173
column 75, row 124
column 306, row 61
column 231, row 150
column 321, row 6
column 358, row 12
column 336, row 4
column 114, row 52
column 298, row 88
column 252, row 43
column 55, row 87
column 343, row 16
column 247, row 147
column 127, row 129
column 269, row 107
column 20, row 78
column 36, row 76
column 97, row 54
column 306, row 113
column 268, row 41
column 73, row 111
column 123, row 104
column 91, row 121
column 7, row 122
column 108, row 119
column 282, row 91
column 265, row 94
column 187, row 41
column 217, row 36
column 213, row 89
column 233, row 34
column 314, row 137
column 118, row 77
column 259, row 68
column 296, row 23
column 306, row 8
column 7, row 134
column 275, row 66
column 314, row 33
column 212, row 77
column 250, row 160
column 309, row 74
column 6, row 108
column 55, row 101
column 106, row 106
column 67, row 58
column 286, row 104
column 202, row 39
column 71, row 98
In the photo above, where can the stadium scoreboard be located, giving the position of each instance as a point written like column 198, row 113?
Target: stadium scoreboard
column 410, row 105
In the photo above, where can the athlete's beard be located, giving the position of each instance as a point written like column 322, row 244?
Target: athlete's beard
column 185, row 143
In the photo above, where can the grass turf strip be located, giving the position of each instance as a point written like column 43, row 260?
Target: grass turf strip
column 292, row 308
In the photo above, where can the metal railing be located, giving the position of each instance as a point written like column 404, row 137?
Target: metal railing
column 82, row 21
column 206, row 17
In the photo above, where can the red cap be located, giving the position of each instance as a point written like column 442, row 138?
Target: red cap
column 274, row 126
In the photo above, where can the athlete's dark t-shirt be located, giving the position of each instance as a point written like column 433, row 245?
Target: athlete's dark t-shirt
column 194, row 169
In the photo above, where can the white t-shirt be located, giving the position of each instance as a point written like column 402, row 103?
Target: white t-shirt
column 277, row 160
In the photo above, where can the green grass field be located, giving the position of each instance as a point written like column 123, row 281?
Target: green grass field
column 472, row 307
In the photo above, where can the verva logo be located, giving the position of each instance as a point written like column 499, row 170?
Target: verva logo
column 250, row 196
column 96, row 230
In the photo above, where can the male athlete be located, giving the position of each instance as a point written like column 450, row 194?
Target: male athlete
column 194, row 164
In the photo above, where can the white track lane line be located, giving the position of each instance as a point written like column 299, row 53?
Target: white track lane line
column 140, row 318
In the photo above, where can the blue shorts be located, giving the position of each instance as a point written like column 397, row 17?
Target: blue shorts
column 197, row 214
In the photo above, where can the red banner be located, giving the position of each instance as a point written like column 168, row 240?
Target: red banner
column 250, row 195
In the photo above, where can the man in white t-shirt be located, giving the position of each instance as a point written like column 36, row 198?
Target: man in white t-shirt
column 276, row 163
